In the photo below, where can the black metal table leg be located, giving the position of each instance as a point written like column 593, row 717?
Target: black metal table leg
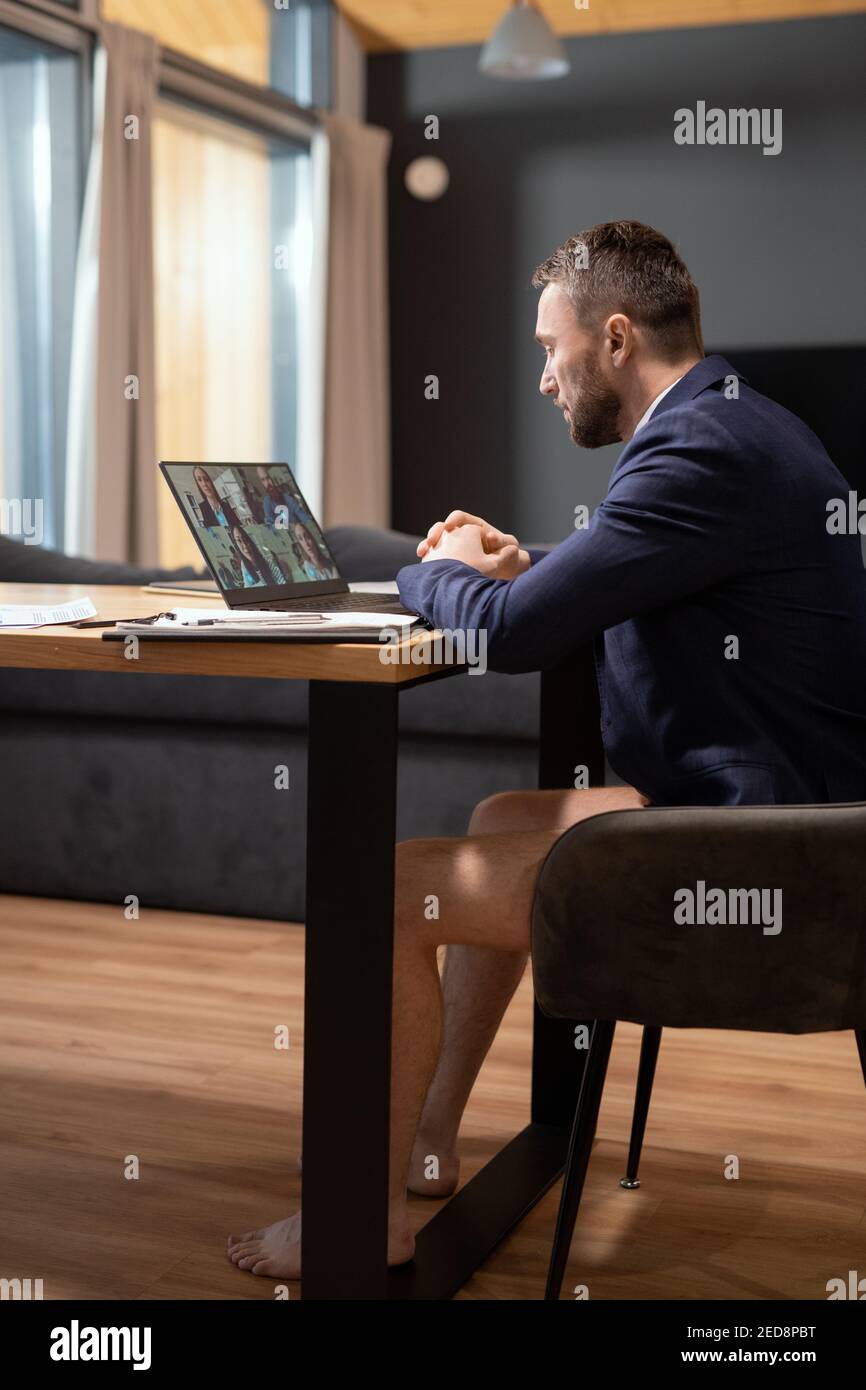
column 351, row 832
column 347, row 1029
column 569, row 737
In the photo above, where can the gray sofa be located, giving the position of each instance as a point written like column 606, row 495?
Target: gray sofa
column 164, row 786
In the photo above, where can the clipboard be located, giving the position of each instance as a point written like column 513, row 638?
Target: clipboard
column 201, row 634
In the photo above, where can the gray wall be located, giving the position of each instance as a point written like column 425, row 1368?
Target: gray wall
column 775, row 243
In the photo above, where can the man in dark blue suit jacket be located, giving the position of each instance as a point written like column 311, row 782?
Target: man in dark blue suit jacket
column 730, row 630
column 729, row 618
column 730, row 625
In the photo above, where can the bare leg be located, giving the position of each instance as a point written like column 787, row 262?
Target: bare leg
column 477, row 986
column 484, row 886
column 478, row 983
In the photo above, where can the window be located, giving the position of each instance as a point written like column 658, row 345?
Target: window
column 259, row 40
column 41, row 173
column 238, row 288
column 232, row 258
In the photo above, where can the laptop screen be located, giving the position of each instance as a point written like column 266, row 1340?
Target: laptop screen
column 252, row 526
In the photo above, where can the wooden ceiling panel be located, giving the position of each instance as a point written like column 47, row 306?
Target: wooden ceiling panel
column 228, row 34
column 385, row 25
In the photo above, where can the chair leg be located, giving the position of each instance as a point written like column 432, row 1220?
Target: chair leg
column 579, row 1149
column 649, row 1051
column 860, row 1035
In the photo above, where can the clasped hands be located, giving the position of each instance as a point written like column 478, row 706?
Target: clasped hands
column 462, row 536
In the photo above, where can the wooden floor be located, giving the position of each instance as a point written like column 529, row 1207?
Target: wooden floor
column 154, row 1039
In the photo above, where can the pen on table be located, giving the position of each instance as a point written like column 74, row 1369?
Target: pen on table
column 262, row 622
column 110, row 622
column 299, row 618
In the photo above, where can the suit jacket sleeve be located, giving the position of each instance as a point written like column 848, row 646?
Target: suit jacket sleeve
column 536, row 555
column 670, row 526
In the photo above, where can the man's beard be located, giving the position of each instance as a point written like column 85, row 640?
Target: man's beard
column 593, row 421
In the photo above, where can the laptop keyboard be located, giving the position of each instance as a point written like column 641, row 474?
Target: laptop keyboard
column 345, row 603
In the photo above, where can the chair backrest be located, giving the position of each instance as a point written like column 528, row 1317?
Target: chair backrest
column 725, row 917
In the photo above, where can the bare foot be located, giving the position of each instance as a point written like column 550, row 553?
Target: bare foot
column 433, row 1169
column 275, row 1251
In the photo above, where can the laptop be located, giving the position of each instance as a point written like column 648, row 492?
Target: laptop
column 262, row 543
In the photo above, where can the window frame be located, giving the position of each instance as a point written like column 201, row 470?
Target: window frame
column 45, row 24
column 65, row 28
column 179, row 74
column 264, row 109
column 182, row 78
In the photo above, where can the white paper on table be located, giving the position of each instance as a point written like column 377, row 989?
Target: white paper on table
column 290, row 621
column 22, row 615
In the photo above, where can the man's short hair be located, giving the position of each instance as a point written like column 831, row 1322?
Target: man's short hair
column 628, row 268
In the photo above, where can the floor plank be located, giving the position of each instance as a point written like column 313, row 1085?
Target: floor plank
column 155, row 1039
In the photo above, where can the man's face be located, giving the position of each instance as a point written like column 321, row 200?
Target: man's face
column 577, row 375
column 267, row 481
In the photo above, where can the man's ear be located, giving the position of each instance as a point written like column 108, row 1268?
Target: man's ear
column 619, row 339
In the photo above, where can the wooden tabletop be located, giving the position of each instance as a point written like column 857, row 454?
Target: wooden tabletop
column 82, row 649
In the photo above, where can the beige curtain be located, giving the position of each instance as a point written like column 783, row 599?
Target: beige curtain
column 124, row 523
column 357, row 465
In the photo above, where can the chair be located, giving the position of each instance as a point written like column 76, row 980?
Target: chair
column 606, row 945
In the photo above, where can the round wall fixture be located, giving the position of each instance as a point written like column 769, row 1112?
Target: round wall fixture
column 427, row 178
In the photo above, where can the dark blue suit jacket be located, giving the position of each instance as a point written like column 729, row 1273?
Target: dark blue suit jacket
column 714, row 526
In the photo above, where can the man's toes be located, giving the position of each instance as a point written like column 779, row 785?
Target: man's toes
column 267, row 1268
column 250, row 1258
column 242, row 1240
column 242, row 1252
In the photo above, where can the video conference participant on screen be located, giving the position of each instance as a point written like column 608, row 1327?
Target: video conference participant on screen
column 257, row 569
column 215, row 510
column 309, row 555
column 229, row 573
column 253, row 500
column 276, row 496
